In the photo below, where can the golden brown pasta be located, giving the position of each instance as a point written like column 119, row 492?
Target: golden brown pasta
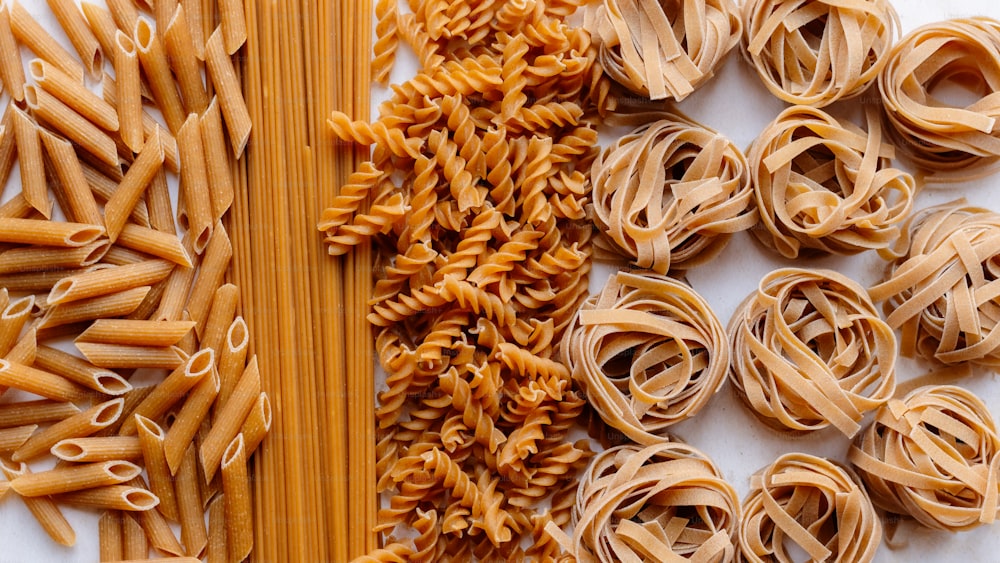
column 129, row 91
column 169, row 391
column 196, row 200
column 80, row 371
column 13, row 438
column 75, row 478
column 194, row 534
column 138, row 177
column 112, row 497
column 161, row 482
column 31, row 34
column 183, row 57
column 153, row 58
column 97, row 448
column 188, row 420
column 135, row 332
column 11, row 69
column 220, row 182
column 74, row 94
column 78, row 425
column 82, row 207
column 44, row 509
column 126, row 356
column 42, row 383
column 79, row 34
column 102, row 307
column 236, row 495
column 109, row 533
column 227, row 424
column 61, row 117
column 110, row 280
column 223, row 76
column 39, row 411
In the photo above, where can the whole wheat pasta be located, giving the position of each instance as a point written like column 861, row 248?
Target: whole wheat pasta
column 169, row 391
column 102, row 25
column 24, row 350
column 11, row 69
column 156, row 243
column 932, row 456
column 135, row 332
column 153, row 57
column 194, row 180
column 161, row 214
column 138, row 177
column 661, row 220
column 161, row 482
column 233, row 24
column 124, row 12
column 78, row 425
column 194, row 534
column 112, row 497
column 31, row 34
column 156, row 528
column 183, row 57
column 217, row 256
column 44, row 509
column 72, row 22
column 175, row 294
column 97, row 448
column 109, row 280
column 257, row 424
column 109, row 534
column 39, row 411
column 232, row 360
column 109, row 90
column 227, row 424
column 813, row 503
column 125, row 356
column 80, row 371
column 102, row 307
column 220, row 182
column 104, row 187
column 236, row 495
column 810, row 351
column 42, row 383
column 223, row 76
column 663, row 49
column 188, row 420
column 48, row 233
column 822, row 184
column 129, row 92
column 676, row 343
column 17, row 207
column 34, row 188
column 134, row 541
column 75, row 127
column 12, row 321
column 75, row 478
column 215, row 551
column 80, row 199
column 13, row 438
column 220, row 317
column 74, row 94
column 948, row 142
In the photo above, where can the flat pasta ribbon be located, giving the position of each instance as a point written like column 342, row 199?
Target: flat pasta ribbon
column 810, row 350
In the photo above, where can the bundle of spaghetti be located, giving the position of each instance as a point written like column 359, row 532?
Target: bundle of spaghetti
column 936, row 290
column 810, row 351
column 648, row 352
column 949, row 142
column 663, row 502
column 822, row 184
column 670, row 194
column 813, row 502
column 815, row 52
column 477, row 187
column 663, row 49
column 932, row 456
column 134, row 293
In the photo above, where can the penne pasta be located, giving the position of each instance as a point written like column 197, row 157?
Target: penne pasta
column 162, row 11
column 106, row 306
column 189, row 419
column 79, row 34
column 156, row 243
column 124, row 13
column 72, row 125
column 109, row 536
column 193, row 183
column 175, row 295
column 153, row 58
column 189, row 344
column 161, row 215
column 11, row 69
column 234, row 25
column 156, row 527
column 37, row 282
column 232, row 361
column 129, row 98
column 13, row 438
column 109, row 280
column 194, row 535
column 104, row 187
column 25, row 350
column 34, row 188
column 44, row 509
column 41, row 383
column 227, row 424
column 47, row 233
column 112, row 497
column 236, row 495
column 75, row 478
column 215, row 551
column 120, row 356
column 132, row 400
column 172, row 388
column 135, row 544
column 214, row 264
column 136, row 333
column 12, row 321
column 220, row 180
column 101, row 24
column 149, row 125
column 183, row 58
column 150, row 304
column 77, row 426
column 82, row 207
column 118, row 255
column 39, row 411
column 80, row 371
column 257, row 424
column 8, row 152
column 33, row 36
column 220, row 316
column 74, row 94
column 228, row 91
column 40, row 258
column 132, row 186
column 97, row 448
column 161, row 482
column 194, row 14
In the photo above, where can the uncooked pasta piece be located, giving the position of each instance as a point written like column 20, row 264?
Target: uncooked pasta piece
column 933, row 456
column 810, row 351
column 648, row 352
column 813, row 503
column 823, row 184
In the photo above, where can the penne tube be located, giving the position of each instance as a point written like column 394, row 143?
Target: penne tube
column 118, row 255
column 220, row 316
column 214, row 264
column 82, row 205
column 39, row 411
column 80, row 371
column 101, row 24
column 8, row 150
column 75, row 478
column 132, row 400
column 71, row 124
column 106, row 306
column 149, row 125
column 79, row 34
column 34, row 188
column 161, row 482
column 74, row 94
column 227, row 424
column 135, row 544
column 172, row 388
column 124, row 13
column 17, row 207
column 220, row 179
column 132, row 186
column 103, row 187
column 176, row 559
column 155, row 243
column 44, row 509
column 194, row 535
column 11, row 68
column 188, row 420
column 236, row 495
column 112, row 497
column 129, row 84
column 33, row 36
column 40, row 258
column 41, row 383
column 136, row 333
column 215, row 551
column 195, row 15
column 209, row 487
column 232, row 361
column 39, row 282
column 161, row 215
column 119, row 356
column 229, row 92
column 109, row 280
column 13, row 438
column 189, row 344
column 175, row 295
column 257, row 424
column 77, row 426
column 183, row 58
column 25, row 350
column 153, row 58
column 234, row 25
column 163, row 11
column 109, row 536
column 12, row 320
column 97, row 448
column 194, row 181
column 150, row 304
column 48, row 233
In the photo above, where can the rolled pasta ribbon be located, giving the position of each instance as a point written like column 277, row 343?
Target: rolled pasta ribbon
column 812, row 502
column 648, row 352
column 940, row 290
column 815, row 52
column 938, row 135
column 810, row 351
column 825, row 185
column 932, row 456
column 670, row 193
column 665, row 502
column 664, row 49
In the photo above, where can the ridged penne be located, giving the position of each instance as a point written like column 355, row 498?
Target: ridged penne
column 153, row 57
column 48, row 233
column 112, row 497
column 183, row 58
column 61, row 117
column 34, row 188
column 194, row 535
column 236, row 495
column 123, row 356
column 102, row 307
column 74, row 94
column 40, row 258
column 172, row 388
column 78, row 425
column 232, row 361
column 194, row 179
column 109, row 536
column 39, row 411
column 227, row 424
column 82, row 207
column 121, row 202
column 107, row 281
column 97, row 448
column 220, row 181
column 44, row 509
column 11, row 68
column 80, row 371
column 42, row 383
column 79, row 34
column 227, row 88
column 151, row 437
column 12, row 320
column 189, row 419
column 31, row 34
column 13, row 438
column 128, row 79
column 75, row 478
column 211, row 274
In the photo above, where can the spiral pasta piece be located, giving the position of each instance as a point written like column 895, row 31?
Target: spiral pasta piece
column 664, row 502
column 815, row 52
column 824, row 185
column 939, row 291
column 661, row 48
column 810, row 351
column 933, row 456
column 813, row 502
column 934, row 132
column 669, row 194
column 648, row 352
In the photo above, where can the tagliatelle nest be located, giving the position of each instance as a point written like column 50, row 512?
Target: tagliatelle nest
column 933, row 456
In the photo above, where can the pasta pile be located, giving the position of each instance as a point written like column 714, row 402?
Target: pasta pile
column 663, row 502
column 815, row 52
column 155, row 410
column 663, row 49
column 814, row 503
column 810, row 350
column 933, row 456
column 670, row 194
column 939, row 136
column 938, row 291
column 823, row 184
column 648, row 352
